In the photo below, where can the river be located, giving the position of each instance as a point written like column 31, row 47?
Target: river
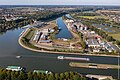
column 9, row 49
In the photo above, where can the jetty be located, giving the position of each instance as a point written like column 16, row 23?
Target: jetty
column 94, row 65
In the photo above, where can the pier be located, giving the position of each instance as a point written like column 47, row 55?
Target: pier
column 94, row 65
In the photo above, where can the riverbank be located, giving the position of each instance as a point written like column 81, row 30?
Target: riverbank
column 44, row 51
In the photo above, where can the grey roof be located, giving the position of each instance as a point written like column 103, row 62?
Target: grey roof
column 45, row 41
column 93, row 42
column 108, row 46
column 114, row 47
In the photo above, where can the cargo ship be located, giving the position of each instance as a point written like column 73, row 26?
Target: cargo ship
column 73, row 58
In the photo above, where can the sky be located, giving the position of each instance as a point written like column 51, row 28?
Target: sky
column 59, row 2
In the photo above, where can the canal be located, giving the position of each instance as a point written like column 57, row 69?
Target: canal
column 64, row 32
column 9, row 49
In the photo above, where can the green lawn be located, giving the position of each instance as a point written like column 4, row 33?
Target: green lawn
column 92, row 17
column 30, row 34
column 116, row 36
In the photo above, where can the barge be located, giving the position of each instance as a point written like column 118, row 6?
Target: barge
column 73, row 58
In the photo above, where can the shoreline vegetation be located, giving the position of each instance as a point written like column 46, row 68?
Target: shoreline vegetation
column 31, row 75
column 31, row 47
column 42, row 15
column 28, row 19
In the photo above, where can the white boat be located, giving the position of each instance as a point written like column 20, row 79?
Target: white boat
column 60, row 57
column 73, row 58
column 18, row 56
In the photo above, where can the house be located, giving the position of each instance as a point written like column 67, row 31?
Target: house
column 93, row 43
column 42, row 71
column 110, row 47
column 14, row 68
column 99, row 77
column 37, row 36
column 69, row 21
column 96, row 50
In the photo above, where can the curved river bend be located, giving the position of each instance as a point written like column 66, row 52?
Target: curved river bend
column 9, row 49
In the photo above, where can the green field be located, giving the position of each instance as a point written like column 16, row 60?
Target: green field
column 92, row 17
column 116, row 36
column 30, row 34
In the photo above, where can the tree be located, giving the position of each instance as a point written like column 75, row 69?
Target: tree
column 76, row 77
column 22, row 76
column 109, row 38
column 56, row 76
column 16, row 75
column 67, row 75
column 117, row 42
column 83, row 44
column 71, row 74
column 51, row 77
column 62, row 76
column 30, row 76
column 3, row 74
column 35, row 76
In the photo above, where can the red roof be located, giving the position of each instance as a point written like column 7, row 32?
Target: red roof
column 98, row 37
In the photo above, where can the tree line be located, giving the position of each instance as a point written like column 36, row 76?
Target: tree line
column 19, row 75
column 28, row 19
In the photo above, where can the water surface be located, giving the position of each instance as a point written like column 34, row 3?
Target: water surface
column 9, row 49
column 64, row 32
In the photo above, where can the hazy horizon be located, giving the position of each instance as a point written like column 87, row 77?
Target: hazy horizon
column 60, row 2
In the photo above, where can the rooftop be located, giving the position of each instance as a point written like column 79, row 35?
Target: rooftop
column 92, row 42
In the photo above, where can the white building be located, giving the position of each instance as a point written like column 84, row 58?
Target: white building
column 69, row 21
column 100, row 77
column 93, row 43
column 14, row 68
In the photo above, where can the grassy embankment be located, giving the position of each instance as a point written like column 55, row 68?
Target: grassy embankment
column 116, row 36
column 25, row 40
column 91, row 17
column 52, row 35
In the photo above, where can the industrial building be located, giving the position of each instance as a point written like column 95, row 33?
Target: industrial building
column 14, row 68
column 93, row 43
